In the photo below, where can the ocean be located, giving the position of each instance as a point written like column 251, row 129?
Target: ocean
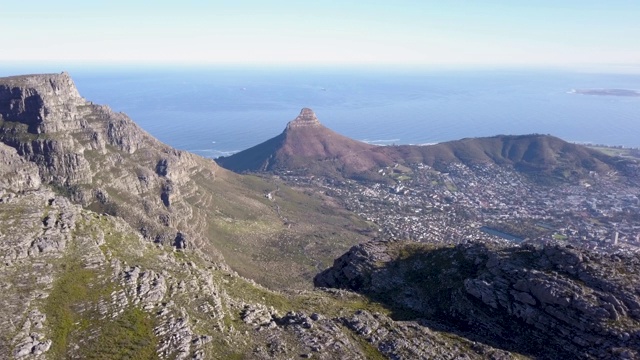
column 219, row 111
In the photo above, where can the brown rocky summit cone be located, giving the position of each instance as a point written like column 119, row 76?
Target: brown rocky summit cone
column 306, row 118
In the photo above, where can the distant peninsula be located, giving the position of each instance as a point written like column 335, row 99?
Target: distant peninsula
column 606, row 92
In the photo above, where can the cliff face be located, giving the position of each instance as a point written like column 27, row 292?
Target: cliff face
column 46, row 103
column 553, row 302
column 47, row 121
column 17, row 173
column 307, row 118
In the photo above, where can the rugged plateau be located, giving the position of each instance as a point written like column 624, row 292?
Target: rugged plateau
column 116, row 246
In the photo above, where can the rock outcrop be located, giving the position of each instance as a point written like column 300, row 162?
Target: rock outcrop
column 307, row 118
column 47, row 121
column 46, row 103
column 552, row 302
column 97, row 157
column 16, row 173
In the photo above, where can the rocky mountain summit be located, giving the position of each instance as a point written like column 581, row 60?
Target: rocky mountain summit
column 306, row 118
column 47, row 103
column 307, row 146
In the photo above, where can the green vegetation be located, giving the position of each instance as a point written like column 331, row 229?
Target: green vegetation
column 64, row 190
column 369, row 351
column 559, row 237
column 71, row 313
column 279, row 242
column 72, row 288
column 241, row 289
column 400, row 173
column 129, row 336
column 451, row 186
column 12, row 131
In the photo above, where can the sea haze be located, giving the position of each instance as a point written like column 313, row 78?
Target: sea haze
column 215, row 112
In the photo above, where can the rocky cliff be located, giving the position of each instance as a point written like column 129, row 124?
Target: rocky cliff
column 550, row 303
column 46, row 103
column 48, row 122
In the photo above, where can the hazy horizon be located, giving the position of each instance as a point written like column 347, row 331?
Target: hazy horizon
column 571, row 34
column 11, row 68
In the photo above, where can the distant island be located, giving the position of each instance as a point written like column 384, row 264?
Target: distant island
column 606, row 92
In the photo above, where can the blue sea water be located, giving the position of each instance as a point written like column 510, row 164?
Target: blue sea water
column 218, row 111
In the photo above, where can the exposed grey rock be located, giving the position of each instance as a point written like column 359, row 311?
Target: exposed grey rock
column 257, row 315
column 96, row 157
column 177, row 337
column 353, row 266
column 16, row 174
column 321, row 339
column 408, row 340
column 46, row 103
column 577, row 303
column 30, row 341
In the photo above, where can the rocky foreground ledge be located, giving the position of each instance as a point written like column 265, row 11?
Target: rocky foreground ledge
column 553, row 302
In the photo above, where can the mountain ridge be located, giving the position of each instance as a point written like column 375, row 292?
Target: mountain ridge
column 317, row 150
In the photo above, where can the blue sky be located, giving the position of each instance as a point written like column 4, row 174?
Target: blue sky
column 452, row 32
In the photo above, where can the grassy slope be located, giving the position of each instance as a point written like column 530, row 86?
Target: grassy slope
column 280, row 250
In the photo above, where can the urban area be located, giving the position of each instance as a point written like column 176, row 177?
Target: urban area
column 492, row 203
